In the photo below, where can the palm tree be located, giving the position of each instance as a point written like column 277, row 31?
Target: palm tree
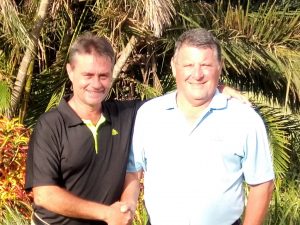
column 31, row 44
column 258, row 60
column 260, row 43
column 261, row 58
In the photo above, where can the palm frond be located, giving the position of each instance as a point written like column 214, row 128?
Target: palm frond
column 12, row 24
column 260, row 47
column 158, row 14
column 281, row 128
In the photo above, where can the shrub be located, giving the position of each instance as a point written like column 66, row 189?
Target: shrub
column 12, row 216
column 14, row 139
column 285, row 205
column 141, row 216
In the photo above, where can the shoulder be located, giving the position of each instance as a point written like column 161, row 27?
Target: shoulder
column 49, row 121
column 238, row 106
column 115, row 107
column 160, row 103
column 122, row 105
column 59, row 114
column 244, row 112
column 121, row 110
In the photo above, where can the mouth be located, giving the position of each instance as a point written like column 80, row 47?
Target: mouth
column 197, row 84
column 95, row 93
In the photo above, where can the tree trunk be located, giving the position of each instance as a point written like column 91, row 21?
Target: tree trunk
column 124, row 56
column 28, row 56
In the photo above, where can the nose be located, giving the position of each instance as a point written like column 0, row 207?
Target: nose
column 96, row 82
column 198, row 73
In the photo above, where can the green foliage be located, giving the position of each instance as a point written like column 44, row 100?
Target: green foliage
column 282, row 131
column 285, row 205
column 11, row 216
column 5, row 96
column 141, row 216
column 260, row 41
column 260, row 45
column 13, row 149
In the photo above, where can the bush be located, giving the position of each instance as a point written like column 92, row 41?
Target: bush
column 14, row 139
column 141, row 216
column 285, row 205
column 13, row 217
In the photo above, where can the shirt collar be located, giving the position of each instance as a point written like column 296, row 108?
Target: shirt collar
column 70, row 116
column 219, row 101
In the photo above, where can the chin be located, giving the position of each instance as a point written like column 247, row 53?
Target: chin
column 94, row 101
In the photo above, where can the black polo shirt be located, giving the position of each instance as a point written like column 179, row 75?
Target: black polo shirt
column 62, row 152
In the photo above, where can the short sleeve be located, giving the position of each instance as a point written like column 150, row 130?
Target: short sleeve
column 257, row 163
column 136, row 161
column 43, row 159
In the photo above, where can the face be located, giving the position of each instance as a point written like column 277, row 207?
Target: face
column 197, row 72
column 91, row 77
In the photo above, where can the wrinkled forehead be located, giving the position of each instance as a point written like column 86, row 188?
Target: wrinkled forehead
column 194, row 45
column 184, row 46
column 87, row 56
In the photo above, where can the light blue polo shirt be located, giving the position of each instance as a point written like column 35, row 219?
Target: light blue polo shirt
column 193, row 175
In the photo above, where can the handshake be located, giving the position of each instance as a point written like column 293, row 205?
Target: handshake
column 121, row 213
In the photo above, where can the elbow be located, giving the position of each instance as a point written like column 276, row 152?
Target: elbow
column 267, row 189
column 271, row 187
column 39, row 196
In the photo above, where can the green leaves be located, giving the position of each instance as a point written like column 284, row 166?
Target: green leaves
column 260, row 44
column 282, row 129
column 4, row 96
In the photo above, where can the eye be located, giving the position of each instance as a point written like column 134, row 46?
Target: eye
column 206, row 66
column 188, row 68
column 103, row 76
column 88, row 75
column 190, row 65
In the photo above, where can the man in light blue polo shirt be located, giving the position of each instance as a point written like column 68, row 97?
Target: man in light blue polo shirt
column 196, row 147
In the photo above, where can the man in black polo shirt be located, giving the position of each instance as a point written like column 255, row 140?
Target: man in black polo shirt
column 78, row 152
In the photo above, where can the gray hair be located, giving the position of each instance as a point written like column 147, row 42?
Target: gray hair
column 200, row 38
column 89, row 43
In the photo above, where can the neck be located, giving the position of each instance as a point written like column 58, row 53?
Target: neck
column 86, row 112
column 191, row 111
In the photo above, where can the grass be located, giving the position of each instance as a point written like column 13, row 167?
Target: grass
column 285, row 205
column 11, row 216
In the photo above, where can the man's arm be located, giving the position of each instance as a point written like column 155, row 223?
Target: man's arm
column 60, row 201
column 233, row 93
column 131, row 191
column 258, row 202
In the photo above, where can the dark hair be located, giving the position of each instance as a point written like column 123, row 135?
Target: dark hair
column 89, row 43
column 200, row 38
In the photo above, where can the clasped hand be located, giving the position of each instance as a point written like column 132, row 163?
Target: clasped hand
column 120, row 214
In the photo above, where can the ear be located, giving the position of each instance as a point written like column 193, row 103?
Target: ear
column 173, row 66
column 69, row 71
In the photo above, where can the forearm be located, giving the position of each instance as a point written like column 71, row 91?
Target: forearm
column 60, row 201
column 131, row 190
column 258, row 203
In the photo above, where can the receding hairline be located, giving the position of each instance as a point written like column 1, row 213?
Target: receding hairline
column 199, row 38
column 213, row 48
column 89, row 43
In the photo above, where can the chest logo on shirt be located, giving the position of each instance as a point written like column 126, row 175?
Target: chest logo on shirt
column 114, row 132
